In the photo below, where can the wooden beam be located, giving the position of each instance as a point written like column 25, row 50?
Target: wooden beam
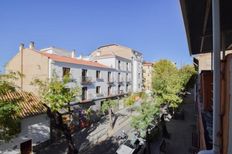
column 207, row 10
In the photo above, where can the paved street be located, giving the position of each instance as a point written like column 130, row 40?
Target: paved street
column 181, row 130
column 92, row 139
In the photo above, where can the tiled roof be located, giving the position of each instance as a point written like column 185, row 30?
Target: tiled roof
column 147, row 63
column 30, row 105
column 73, row 60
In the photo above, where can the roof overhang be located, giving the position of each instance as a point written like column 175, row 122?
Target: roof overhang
column 197, row 15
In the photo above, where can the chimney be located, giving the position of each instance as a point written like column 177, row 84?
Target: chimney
column 73, row 53
column 32, row 45
column 21, row 47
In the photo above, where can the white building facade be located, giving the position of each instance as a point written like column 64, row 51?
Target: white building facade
column 109, row 71
column 126, row 61
column 97, row 81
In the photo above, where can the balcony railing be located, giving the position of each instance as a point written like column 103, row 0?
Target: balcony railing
column 100, row 79
column 110, row 81
column 128, row 81
column 88, row 97
column 120, row 92
column 100, row 95
column 86, row 80
column 120, row 80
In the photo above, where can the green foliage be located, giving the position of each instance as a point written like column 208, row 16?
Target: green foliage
column 166, row 83
column 6, row 81
column 108, row 104
column 130, row 100
column 146, row 114
column 56, row 93
column 9, row 109
column 186, row 72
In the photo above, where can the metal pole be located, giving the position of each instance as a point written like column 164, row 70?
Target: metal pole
column 216, row 75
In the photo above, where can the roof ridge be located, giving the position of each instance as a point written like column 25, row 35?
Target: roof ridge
column 84, row 62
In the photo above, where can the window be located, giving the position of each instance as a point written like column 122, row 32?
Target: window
column 84, row 93
column 119, row 64
column 127, row 66
column 66, row 71
column 84, row 72
column 98, row 74
column 119, row 76
column 119, row 89
column 127, row 88
column 109, row 90
column 109, row 77
column 98, row 90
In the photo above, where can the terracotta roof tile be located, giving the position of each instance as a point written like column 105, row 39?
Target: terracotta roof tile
column 30, row 105
column 147, row 63
column 73, row 60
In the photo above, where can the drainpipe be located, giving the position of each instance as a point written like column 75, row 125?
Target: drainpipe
column 216, row 78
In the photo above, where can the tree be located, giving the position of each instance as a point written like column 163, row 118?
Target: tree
column 9, row 109
column 56, row 93
column 166, row 83
column 130, row 100
column 146, row 114
column 186, row 73
column 107, row 106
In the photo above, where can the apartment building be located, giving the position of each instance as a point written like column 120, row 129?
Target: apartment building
column 127, row 63
column 147, row 76
column 203, row 61
column 97, row 81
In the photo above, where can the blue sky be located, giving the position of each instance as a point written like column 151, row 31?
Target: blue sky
column 153, row 27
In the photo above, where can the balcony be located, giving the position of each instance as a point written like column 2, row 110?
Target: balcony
column 99, row 95
column 99, row 79
column 87, row 98
column 110, row 81
column 128, row 81
column 86, row 80
column 120, row 81
column 120, row 92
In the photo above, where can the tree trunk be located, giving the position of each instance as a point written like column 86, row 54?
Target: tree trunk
column 110, row 118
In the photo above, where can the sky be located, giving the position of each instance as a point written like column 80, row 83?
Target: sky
column 153, row 27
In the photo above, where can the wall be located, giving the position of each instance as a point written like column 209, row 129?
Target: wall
column 76, row 73
column 205, row 60
column 126, row 53
column 35, row 66
column 36, row 128
column 147, row 77
column 113, row 62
